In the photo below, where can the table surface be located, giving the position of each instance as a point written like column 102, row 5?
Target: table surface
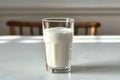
column 93, row 58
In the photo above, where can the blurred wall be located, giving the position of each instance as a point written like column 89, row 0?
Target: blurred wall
column 107, row 12
column 60, row 3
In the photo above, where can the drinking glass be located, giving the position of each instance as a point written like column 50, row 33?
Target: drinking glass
column 58, row 37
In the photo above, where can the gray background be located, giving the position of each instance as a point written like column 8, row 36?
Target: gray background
column 107, row 12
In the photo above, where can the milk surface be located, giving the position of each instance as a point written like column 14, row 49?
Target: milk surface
column 58, row 43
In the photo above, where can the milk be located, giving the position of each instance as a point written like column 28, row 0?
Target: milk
column 58, row 43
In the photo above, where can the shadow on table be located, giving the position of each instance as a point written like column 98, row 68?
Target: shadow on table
column 96, row 69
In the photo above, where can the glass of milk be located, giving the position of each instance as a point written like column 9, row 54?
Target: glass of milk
column 58, row 37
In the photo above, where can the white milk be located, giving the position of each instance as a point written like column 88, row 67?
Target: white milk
column 58, row 43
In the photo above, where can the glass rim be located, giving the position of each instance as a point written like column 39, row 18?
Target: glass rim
column 58, row 19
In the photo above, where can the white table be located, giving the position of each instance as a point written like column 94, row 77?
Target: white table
column 93, row 58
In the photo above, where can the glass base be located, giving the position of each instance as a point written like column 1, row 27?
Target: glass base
column 58, row 70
